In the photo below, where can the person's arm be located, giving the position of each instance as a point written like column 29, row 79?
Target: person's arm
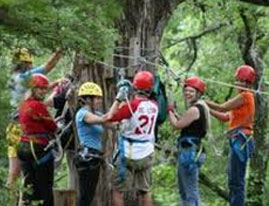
column 57, row 97
column 110, row 125
column 113, row 109
column 91, row 118
column 222, row 116
column 123, row 112
column 233, row 103
column 191, row 115
column 50, row 100
column 53, row 60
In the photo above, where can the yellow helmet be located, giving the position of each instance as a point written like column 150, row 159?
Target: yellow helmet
column 23, row 55
column 90, row 88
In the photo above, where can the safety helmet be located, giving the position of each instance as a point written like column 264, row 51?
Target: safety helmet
column 90, row 88
column 245, row 73
column 196, row 83
column 38, row 81
column 23, row 55
column 143, row 81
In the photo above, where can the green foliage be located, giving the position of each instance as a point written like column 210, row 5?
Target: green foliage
column 164, row 189
column 5, row 107
column 85, row 26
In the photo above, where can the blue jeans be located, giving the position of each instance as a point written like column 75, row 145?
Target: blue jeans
column 188, row 184
column 237, row 172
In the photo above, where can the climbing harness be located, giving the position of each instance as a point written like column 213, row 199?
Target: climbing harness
column 122, row 168
column 87, row 158
column 191, row 153
column 241, row 144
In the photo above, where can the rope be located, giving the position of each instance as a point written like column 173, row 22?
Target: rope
column 234, row 86
column 33, row 151
column 131, row 48
column 218, row 152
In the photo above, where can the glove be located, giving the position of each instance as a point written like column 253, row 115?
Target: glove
column 124, row 83
column 122, row 94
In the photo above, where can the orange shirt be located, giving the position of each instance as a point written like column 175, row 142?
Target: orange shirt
column 244, row 115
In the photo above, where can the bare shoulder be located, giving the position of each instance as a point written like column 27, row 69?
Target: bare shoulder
column 194, row 112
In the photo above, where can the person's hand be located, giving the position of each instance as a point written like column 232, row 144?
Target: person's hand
column 122, row 94
column 62, row 84
column 171, row 107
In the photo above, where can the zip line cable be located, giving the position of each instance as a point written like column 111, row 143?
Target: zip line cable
column 177, row 76
column 171, row 71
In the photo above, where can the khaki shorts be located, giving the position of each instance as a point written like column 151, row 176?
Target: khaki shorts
column 137, row 175
column 13, row 133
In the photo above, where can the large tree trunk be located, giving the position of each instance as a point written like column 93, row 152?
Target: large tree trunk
column 141, row 27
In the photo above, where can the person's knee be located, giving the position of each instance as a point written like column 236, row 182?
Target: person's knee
column 192, row 193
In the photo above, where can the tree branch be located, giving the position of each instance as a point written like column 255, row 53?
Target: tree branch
column 203, row 179
column 257, row 2
column 247, row 40
column 194, row 37
column 194, row 57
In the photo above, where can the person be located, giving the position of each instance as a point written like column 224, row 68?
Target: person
column 58, row 101
column 38, row 129
column 193, row 125
column 239, row 111
column 21, row 73
column 136, row 142
column 90, row 127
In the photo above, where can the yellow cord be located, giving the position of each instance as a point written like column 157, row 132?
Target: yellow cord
column 33, row 151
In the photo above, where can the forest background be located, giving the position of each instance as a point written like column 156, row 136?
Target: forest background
column 208, row 38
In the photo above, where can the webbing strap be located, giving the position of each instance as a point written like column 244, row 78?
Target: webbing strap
column 192, row 141
column 48, row 156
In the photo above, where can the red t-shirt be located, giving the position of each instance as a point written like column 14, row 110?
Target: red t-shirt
column 35, row 118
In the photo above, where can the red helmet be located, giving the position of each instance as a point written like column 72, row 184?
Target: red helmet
column 245, row 73
column 143, row 80
column 38, row 81
column 196, row 83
